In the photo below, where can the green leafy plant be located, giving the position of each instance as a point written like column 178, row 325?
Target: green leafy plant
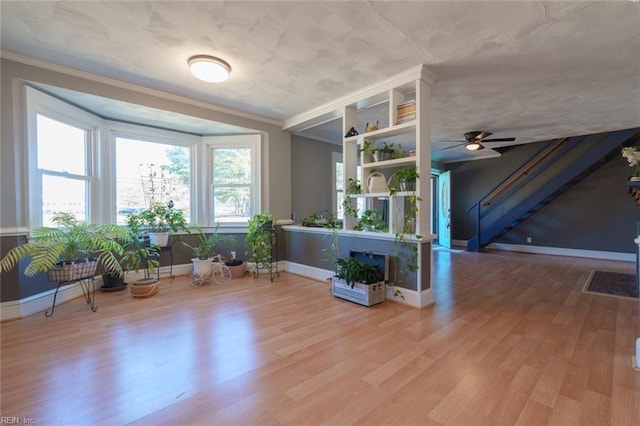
column 322, row 218
column 367, row 149
column 371, row 220
column 354, row 187
column 159, row 217
column 70, row 241
column 352, row 271
column 260, row 239
column 207, row 243
column 139, row 255
column 633, row 158
column 403, row 180
column 385, row 151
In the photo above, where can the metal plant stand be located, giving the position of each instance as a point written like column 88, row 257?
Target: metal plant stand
column 88, row 285
column 268, row 265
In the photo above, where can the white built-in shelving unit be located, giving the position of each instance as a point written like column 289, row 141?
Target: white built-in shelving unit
column 413, row 135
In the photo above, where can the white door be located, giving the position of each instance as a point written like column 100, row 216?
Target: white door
column 444, row 210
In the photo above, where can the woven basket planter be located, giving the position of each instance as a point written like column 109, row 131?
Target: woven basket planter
column 73, row 271
column 144, row 288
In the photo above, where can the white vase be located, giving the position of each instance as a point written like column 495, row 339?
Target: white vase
column 201, row 266
column 160, row 239
column 634, row 179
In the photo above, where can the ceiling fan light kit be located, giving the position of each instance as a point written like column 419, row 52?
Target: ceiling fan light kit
column 476, row 139
column 209, row 68
column 473, row 146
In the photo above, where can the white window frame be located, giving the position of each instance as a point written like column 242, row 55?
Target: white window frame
column 336, row 157
column 250, row 141
column 38, row 103
column 148, row 134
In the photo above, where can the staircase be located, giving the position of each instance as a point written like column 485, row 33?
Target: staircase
column 553, row 170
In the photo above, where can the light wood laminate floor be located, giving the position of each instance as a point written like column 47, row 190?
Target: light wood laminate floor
column 512, row 339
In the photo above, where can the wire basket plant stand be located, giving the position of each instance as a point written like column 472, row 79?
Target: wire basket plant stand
column 218, row 271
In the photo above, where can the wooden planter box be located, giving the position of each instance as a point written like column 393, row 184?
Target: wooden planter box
column 363, row 294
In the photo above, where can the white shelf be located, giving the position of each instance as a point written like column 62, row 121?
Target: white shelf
column 396, row 162
column 408, row 135
column 387, row 132
column 384, row 194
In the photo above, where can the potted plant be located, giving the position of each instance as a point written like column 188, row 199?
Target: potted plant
column 352, row 271
column 204, row 251
column 237, row 267
column 405, row 179
column 367, row 149
column 157, row 220
column 633, row 157
column 259, row 240
column 384, row 152
column 141, row 255
column 358, row 281
column 62, row 252
column 371, row 220
column 114, row 281
column 321, row 219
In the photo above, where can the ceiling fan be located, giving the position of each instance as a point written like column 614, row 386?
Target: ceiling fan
column 474, row 140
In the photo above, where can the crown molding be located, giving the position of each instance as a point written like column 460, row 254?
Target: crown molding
column 39, row 63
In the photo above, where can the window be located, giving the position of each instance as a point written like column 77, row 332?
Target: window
column 338, row 186
column 145, row 169
column 61, row 145
column 100, row 170
column 234, row 178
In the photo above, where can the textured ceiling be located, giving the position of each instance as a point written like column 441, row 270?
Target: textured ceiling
column 533, row 70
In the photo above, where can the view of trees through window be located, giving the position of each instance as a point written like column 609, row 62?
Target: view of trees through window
column 231, row 184
column 149, row 169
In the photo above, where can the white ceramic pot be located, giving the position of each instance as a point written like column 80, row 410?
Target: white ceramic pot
column 201, row 266
column 160, row 239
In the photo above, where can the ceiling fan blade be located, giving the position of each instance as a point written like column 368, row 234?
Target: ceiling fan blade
column 476, row 135
column 499, row 140
column 453, row 146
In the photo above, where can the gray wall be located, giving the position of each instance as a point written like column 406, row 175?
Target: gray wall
column 311, row 167
column 276, row 153
column 595, row 214
column 307, row 248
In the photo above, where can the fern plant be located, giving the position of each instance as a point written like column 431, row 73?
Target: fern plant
column 71, row 240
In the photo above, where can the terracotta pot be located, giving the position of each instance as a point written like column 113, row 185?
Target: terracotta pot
column 238, row 271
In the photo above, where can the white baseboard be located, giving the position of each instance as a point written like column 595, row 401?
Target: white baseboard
column 459, row 243
column 16, row 309
column 411, row 297
column 556, row 251
column 308, row 271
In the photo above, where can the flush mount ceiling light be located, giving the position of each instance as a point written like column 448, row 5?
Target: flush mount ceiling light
column 209, row 68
